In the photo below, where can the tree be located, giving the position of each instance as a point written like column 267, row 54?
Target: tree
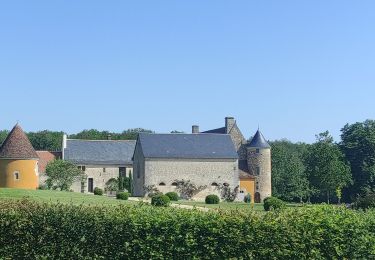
column 112, row 185
column 326, row 166
column 46, row 140
column 358, row 145
column 187, row 189
column 227, row 193
column 289, row 179
column 3, row 135
column 62, row 174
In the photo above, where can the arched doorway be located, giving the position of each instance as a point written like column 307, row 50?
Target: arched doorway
column 257, row 197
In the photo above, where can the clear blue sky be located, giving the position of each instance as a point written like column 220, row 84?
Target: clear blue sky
column 296, row 68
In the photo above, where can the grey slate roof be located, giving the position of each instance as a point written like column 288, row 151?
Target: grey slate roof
column 187, row 146
column 258, row 141
column 103, row 152
column 221, row 130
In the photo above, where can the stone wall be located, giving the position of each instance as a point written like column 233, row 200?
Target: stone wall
column 203, row 172
column 263, row 180
column 100, row 175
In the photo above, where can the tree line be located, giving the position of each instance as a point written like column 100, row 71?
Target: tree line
column 52, row 140
column 326, row 170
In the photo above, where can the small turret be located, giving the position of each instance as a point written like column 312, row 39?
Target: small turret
column 259, row 163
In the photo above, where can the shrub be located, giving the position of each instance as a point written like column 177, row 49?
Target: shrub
column 122, row 195
column 247, row 198
column 273, row 203
column 212, row 199
column 365, row 202
column 31, row 230
column 173, row 196
column 160, row 200
column 98, row 191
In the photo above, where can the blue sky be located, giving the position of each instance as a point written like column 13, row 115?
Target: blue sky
column 296, row 68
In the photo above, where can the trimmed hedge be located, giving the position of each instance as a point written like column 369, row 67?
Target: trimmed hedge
column 212, row 199
column 98, row 191
column 57, row 231
column 122, row 195
column 173, row 196
column 160, row 200
column 273, row 203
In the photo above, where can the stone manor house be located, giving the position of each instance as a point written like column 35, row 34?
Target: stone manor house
column 211, row 158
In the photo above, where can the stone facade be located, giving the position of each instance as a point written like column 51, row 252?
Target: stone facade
column 164, row 172
column 100, row 175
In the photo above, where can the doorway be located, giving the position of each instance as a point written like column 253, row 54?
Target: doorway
column 257, row 197
column 91, row 185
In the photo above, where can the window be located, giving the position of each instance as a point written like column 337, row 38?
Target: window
column 214, row 184
column 226, row 184
column 122, row 171
column 16, row 176
column 82, row 168
column 162, row 184
column 257, row 171
column 138, row 170
column 174, row 183
column 241, row 191
column 104, row 169
column 257, row 150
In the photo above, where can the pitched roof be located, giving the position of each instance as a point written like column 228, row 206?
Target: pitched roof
column 258, row 141
column 99, row 152
column 45, row 157
column 17, row 146
column 187, row 146
column 221, row 130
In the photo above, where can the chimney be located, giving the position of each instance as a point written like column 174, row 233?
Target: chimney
column 109, row 137
column 195, row 129
column 229, row 123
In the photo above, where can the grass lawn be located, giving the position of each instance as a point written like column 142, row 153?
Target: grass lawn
column 228, row 205
column 60, row 196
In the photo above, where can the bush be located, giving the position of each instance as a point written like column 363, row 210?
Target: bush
column 65, row 231
column 98, row 191
column 247, row 198
column 122, row 195
column 160, row 200
column 273, row 203
column 173, row 196
column 212, row 199
column 365, row 202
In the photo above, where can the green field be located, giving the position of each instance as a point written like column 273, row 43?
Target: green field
column 60, row 196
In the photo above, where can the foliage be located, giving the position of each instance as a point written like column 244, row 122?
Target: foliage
column 122, row 195
column 93, row 134
column 3, row 135
column 61, row 174
column 365, row 202
column 173, row 196
column 358, row 145
column 326, row 166
column 212, row 199
column 151, row 191
column 247, row 198
column 273, row 203
column 112, row 185
column 98, row 191
column 187, row 189
column 55, row 231
column 227, row 193
column 160, row 200
column 46, row 140
column 289, row 179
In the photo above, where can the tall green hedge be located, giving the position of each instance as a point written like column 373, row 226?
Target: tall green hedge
column 31, row 230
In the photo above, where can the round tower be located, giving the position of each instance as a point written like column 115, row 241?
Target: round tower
column 259, row 164
column 18, row 162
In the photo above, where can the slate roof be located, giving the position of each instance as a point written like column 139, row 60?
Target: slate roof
column 258, row 141
column 17, row 146
column 221, row 130
column 99, row 152
column 187, row 146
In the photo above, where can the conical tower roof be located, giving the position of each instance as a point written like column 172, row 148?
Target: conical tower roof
column 258, row 141
column 17, row 146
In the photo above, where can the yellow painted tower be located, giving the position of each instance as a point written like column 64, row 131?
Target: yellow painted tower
column 18, row 161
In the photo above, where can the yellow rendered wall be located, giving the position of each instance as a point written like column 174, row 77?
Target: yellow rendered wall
column 28, row 177
column 248, row 186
